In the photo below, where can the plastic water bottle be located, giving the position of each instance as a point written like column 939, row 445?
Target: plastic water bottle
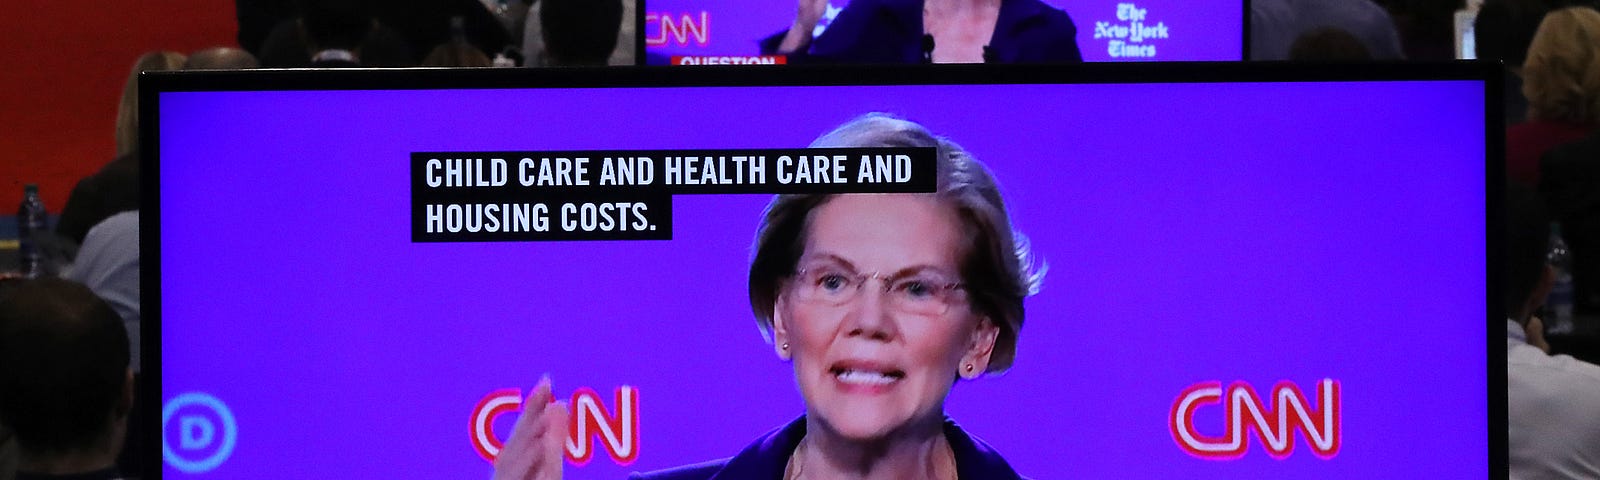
column 30, row 224
column 1558, row 305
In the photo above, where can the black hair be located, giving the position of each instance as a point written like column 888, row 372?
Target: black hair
column 336, row 24
column 1527, row 241
column 580, row 32
column 1328, row 44
column 63, row 364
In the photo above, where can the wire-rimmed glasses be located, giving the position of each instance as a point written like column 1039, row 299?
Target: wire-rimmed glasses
column 923, row 291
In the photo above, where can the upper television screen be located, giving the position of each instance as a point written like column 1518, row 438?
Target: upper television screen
column 693, row 32
column 1271, row 277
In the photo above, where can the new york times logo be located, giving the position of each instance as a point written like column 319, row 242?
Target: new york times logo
column 198, row 432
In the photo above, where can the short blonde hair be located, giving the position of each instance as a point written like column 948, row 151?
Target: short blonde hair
column 996, row 262
column 128, row 110
column 1561, row 77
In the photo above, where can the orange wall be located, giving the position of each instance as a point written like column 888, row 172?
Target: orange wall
column 62, row 67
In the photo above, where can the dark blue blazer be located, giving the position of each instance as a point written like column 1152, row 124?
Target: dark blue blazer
column 890, row 31
column 768, row 456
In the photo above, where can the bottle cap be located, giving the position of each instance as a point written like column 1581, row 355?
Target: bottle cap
column 31, row 188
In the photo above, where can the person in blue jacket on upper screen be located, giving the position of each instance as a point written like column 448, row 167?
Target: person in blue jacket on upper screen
column 929, row 31
column 881, row 302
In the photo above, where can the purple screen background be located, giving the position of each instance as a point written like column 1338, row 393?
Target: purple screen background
column 1194, row 232
column 1199, row 30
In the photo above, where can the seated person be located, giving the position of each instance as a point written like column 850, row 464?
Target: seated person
column 423, row 24
column 1561, row 79
column 65, row 384
column 1328, row 44
column 333, row 34
column 1275, row 25
column 1502, row 31
column 1551, row 401
column 108, row 264
column 221, row 58
column 1567, row 179
column 112, row 190
column 128, row 111
column 456, row 54
column 579, row 32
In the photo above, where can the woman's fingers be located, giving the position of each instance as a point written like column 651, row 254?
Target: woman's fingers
column 555, row 440
column 534, row 450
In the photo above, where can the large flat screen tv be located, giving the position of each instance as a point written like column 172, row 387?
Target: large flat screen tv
column 1191, row 270
column 698, row 32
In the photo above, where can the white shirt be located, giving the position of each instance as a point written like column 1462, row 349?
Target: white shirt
column 1553, row 412
column 108, row 264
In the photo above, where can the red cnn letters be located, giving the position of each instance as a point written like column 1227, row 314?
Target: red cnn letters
column 1242, row 410
column 590, row 422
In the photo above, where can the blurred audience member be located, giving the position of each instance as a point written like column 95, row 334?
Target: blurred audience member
column 128, row 110
column 1328, row 44
column 533, row 47
column 1554, row 431
column 1427, row 27
column 65, row 384
column 1561, row 79
column 533, row 37
column 334, row 33
column 424, row 23
column 112, row 190
column 257, row 19
column 1275, row 26
column 221, row 58
column 512, row 14
column 1569, row 180
column 1502, row 31
column 579, row 32
column 412, row 23
column 456, row 54
column 108, row 264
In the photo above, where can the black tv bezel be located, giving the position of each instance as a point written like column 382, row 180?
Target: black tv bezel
column 152, row 84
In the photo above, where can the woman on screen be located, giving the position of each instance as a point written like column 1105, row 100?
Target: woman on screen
column 929, row 31
column 880, row 302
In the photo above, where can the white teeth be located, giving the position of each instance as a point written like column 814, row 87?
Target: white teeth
column 864, row 378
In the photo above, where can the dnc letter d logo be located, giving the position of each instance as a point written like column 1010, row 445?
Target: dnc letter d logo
column 198, row 432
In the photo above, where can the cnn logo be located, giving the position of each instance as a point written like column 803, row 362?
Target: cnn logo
column 1274, row 425
column 590, row 423
column 678, row 30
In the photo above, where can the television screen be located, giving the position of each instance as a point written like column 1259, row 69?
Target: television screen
column 697, row 32
column 1261, row 271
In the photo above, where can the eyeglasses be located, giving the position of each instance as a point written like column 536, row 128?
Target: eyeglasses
column 924, row 293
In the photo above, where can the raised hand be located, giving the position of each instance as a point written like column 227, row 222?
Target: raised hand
column 806, row 16
column 537, row 442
